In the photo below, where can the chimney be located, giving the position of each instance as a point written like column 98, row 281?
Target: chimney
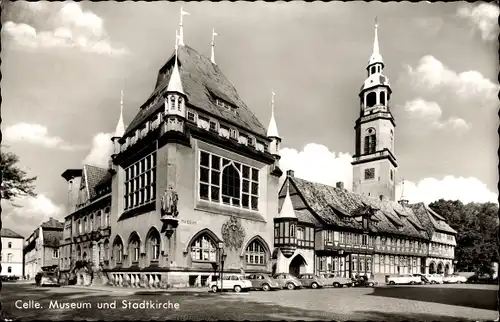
column 290, row 173
column 340, row 185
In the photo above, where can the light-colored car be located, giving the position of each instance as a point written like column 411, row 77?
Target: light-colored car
column 434, row 278
column 311, row 280
column 336, row 281
column 403, row 279
column 288, row 281
column 263, row 282
column 454, row 278
column 236, row 283
column 47, row 279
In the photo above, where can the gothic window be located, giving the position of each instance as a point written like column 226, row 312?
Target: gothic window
column 106, row 217
column 370, row 141
column 371, row 99
column 228, row 182
column 382, row 98
column 106, row 250
column 85, row 224
column 9, row 257
column 118, row 251
column 9, row 245
column 91, row 222
column 255, row 253
column 140, row 182
column 172, row 102
column 154, row 246
column 369, row 173
column 203, row 249
column 98, row 220
column 134, row 248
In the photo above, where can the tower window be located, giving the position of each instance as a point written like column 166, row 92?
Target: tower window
column 370, row 142
column 371, row 99
column 382, row 98
column 374, row 69
column 369, row 173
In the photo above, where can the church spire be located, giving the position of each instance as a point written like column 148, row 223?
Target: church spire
column 272, row 130
column 120, row 127
column 181, row 33
column 175, row 82
column 376, row 57
column 213, row 46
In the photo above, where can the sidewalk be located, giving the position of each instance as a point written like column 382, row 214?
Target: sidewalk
column 106, row 288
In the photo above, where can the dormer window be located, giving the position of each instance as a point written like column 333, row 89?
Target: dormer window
column 191, row 116
column 251, row 141
column 233, row 134
column 213, row 126
column 223, row 104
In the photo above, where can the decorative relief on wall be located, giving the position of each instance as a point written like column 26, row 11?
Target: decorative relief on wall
column 169, row 202
column 233, row 233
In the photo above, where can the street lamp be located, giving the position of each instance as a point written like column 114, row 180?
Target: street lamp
column 222, row 257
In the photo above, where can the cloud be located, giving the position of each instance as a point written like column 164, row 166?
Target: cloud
column 36, row 134
column 431, row 112
column 449, row 188
column 70, row 27
column 432, row 75
column 101, row 150
column 316, row 163
column 32, row 211
column 484, row 17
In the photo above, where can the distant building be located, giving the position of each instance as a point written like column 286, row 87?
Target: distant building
column 12, row 253
column 41, row 250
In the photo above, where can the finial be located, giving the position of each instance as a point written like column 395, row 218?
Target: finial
column 120, row 127
column 376, row 57
column 272, row 130
column 213, row 45
column 181, row 34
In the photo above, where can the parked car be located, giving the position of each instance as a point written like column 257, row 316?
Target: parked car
column 364, row 281
column 434, row 278
column 263, row 282
column 288, row 281
column 236, row 283
column 336, row 281
column 403, row 279
column 482, row 279
column 454, row 278
column 46, row 279
column 10, row 278
column 423, row 278
column 311, row 280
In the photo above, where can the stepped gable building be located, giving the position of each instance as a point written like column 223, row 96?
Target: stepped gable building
column 323, row 229
column 41, row 248
column 87, row 228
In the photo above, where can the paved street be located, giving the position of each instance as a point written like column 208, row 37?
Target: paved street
column 423, row 303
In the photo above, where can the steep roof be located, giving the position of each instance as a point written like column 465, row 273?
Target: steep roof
column 9, row 233
column 202, row 81
column 93, row 175
column 339, row 207
column 51, row 238
column 430, row 219
column 53, row 224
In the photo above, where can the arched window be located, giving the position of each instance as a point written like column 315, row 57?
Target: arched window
column 370, row 141
column 98, row 219
column 9, row 257
column 9, row 245
column 85, row 224
column 91, row 222
column 371, row 99
column 84, row 255
column 382, row 98
column 292, row 230
column 106, row 218
column 9, row 269
column 373, row 69
column 172, row 102
column 106, row 250
column 80, row 226
column 179, row 102
column 153, row 244
column 118, row 250
column 255, row 253
column 203, row 249
column 134, row 248
column 392, row 140
column 231, row 185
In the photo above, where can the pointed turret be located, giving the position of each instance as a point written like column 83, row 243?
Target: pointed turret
column 376, row 57
column 175, row 82
column 175, row 97
column 272, row 130
column 120, row 128
column 402, row 200
column 287, row 210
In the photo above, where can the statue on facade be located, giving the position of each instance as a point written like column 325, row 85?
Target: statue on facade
column 169, row 202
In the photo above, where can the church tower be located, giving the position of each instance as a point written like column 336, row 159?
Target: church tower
column 374, row 162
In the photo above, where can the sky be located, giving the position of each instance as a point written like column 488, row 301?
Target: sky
column 64, row 65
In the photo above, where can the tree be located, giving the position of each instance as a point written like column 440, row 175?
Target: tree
column 15, row 182
column 477, row 229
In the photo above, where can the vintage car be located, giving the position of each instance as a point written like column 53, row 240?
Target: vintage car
column 423, row 279
column 287, row 281
column 263, row 282
column 454, row 278
column 46, row 279
column 403, row 279
column 236, row 283
column 336, row 281
column 434, row 278
column 363, row 281
column 311, row 280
